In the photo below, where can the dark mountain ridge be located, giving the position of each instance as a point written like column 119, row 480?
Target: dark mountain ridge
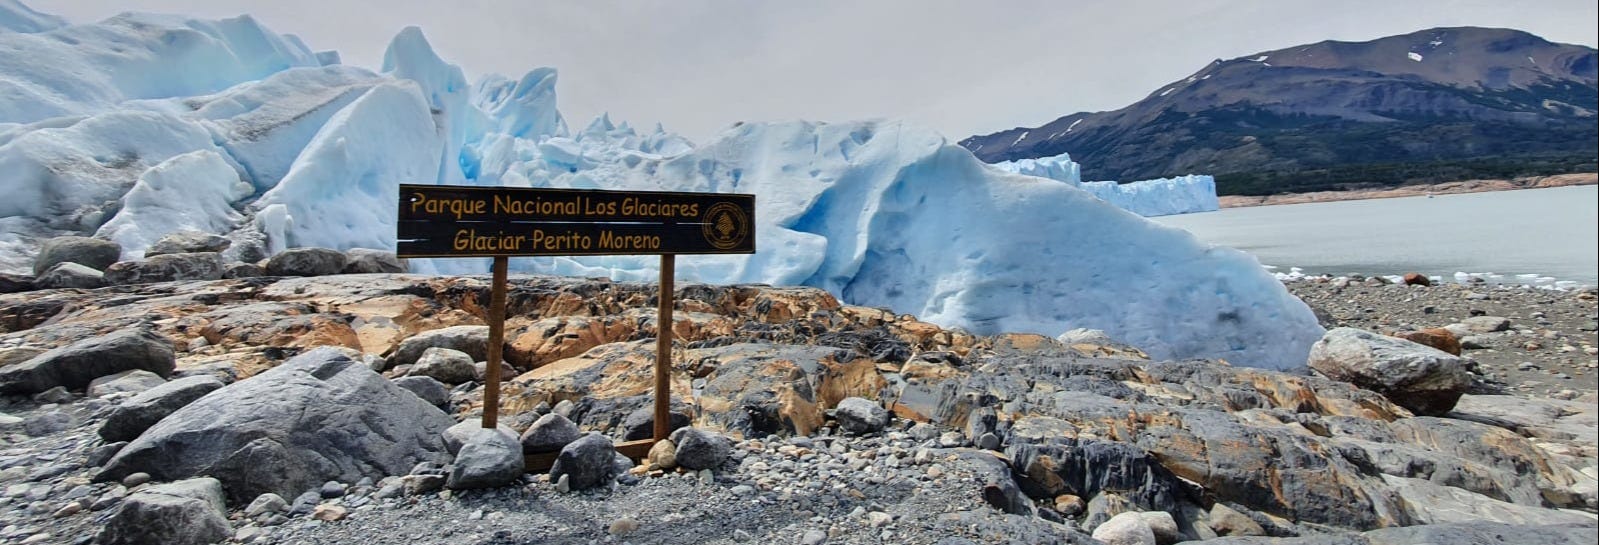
column 1436, row 105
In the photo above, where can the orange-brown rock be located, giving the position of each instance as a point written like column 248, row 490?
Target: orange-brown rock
column 1417, row 279
column 1435, row 337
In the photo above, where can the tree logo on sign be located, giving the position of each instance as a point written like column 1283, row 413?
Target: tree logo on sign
column 725, row 226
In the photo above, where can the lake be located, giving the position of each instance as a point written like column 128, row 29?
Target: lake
column 1533, row 236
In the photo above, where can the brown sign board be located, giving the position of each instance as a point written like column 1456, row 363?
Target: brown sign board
column 464, row 221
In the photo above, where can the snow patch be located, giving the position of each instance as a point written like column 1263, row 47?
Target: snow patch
column 1414, row 56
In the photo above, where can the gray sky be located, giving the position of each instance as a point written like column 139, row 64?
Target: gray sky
column 965, row 67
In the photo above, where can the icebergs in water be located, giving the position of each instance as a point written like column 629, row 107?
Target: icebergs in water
column 1158, row 197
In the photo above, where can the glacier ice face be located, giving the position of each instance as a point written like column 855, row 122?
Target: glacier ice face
column 890, row 215
column 1159, row 197
column 194, row 191
column 343, row 190
column 254, row 133
column 15, row 17
column 86, row 69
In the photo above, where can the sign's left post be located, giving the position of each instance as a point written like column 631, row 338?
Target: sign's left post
column 491, row 375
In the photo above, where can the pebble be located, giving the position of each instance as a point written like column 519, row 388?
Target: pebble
column 813, row 537
column 136, row 479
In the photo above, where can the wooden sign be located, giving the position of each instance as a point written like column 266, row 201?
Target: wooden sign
column 459, row 221
column 499, row 222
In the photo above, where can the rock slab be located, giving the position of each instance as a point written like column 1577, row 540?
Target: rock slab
column 144, row 409
column 182, row 513
column 317, row 417
column 75, row 365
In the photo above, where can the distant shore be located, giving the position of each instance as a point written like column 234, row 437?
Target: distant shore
column 1446, row 188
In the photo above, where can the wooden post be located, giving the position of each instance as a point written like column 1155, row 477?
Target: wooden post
column 663, row 351
column 491, row 375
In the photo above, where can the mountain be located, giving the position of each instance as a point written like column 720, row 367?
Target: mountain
column 1435, row 105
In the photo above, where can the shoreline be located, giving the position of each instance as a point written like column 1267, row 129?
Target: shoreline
column 1444, row 188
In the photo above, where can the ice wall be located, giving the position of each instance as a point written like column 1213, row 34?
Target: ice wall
column 1159, row 197
column 252, row 134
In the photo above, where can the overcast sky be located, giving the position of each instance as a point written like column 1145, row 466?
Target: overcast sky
column 963, row 68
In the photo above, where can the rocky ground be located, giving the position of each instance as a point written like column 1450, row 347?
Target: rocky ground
column 1445, row 188
column 1549, row 346
column 205, row 410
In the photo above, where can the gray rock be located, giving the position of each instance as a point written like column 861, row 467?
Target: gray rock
column 135, row 415
column 550, row 433
column 126, row 382
column 859, row 415
column 70, row 275
column 16, row 283
column 317, row 417
column 166, row 268
column 365, row 261
column 640, row 424
column 1164, row 525
column 1473, row 342
column 586, row 463
column 1230, row 522
column 1104, row 506
column 1486, row 324
column 444, row 365
column 182, row 513
column 75, row 365
column 471, row 339
column 306, row 262
column 89, row 252
column 1429, row 503
column 243, row 270
column 47, row 421
column 187, row 242
column 11, row 423
column 57, row 394
column 457, row 435
column 1483, row 534
column 103, row 453
column 1423, row 379
column 981, row 420
column 488, row 459
column 266, row 503
column 1125, row 529
column 332, row 489
column 700, row 449
column 430, row 390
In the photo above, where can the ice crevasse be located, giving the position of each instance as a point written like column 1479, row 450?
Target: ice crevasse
column 880, row 213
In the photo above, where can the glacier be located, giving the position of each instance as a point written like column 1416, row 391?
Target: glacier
column 169, row 123
column 1159, row 197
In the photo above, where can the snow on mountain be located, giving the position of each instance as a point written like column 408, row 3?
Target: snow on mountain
column 15, row 17
column 1158, row 197
column 225, row 127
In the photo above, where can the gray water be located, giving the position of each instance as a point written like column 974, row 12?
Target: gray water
column 1534, row 236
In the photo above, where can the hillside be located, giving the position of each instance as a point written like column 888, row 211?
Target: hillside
column 1436, row 105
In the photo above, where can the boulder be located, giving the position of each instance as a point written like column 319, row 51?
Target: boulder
column 1164, row 525
column 1125, row 529
column 640, row 424
column 1486, row 324
column 90, row 252
column 550, row 433
column 166, row 268
column 70, row 275
column 243, row 270
column 700, row 449
column 365, row 261
column 444, row 365
column 427, row 388
column 317, row 417
column 860, row 415
column 662, row 455
column 587, row 462
column 126, row 382
column 306, row 262
column 181, row 513
column 187, row 242
column 488, row 459
column 1416, row 279
column 1227, row 521
column 75, row 365
column 456, row 436
column 471, row 339
column 143, row 410
column 1437, row 337
column 1423, row 379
